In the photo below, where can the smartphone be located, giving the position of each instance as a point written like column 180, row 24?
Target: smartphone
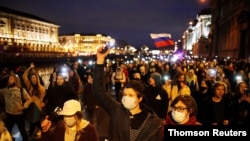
column 105, row 48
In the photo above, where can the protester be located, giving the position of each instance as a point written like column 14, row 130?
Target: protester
column 130, row 119
column 137, row 76
column 144, row 73
column 204, row 93
column 241, row 101
column 56, row 96
column 183, row 111
column 156, row 96
column 218, row 106
column 74, row 79
column 108, row 71
column 179, row 87
column 16, row 99
column 72, row 128
column 94, row 113
column 118, row 79
column 34, row 70
column 37, row 92
column 191, row 81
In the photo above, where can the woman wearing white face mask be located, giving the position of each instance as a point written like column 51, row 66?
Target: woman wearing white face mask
column 130, row 119
column 183, row 111
column 72, row 128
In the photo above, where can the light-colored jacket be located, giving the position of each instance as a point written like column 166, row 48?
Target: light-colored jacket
column 183, row 91
column 13, row 100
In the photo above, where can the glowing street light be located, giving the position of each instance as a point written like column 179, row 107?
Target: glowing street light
column 203, row 1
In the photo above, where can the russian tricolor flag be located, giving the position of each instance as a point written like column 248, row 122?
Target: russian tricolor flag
column 162, row 39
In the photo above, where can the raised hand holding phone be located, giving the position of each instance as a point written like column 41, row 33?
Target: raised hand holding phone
column 32, row 65
column 101, row 54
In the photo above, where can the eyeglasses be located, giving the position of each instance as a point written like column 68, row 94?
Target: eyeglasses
column 179, row 109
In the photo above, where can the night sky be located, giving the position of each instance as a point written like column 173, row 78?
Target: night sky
column 128, row 20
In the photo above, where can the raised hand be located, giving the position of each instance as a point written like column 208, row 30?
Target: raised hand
column 101, row 54
column 32, row 65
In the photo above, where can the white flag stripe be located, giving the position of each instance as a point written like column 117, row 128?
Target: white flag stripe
column 153, row 35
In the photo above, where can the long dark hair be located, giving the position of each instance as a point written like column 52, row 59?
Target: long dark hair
column 17, row 81
column 36, row 90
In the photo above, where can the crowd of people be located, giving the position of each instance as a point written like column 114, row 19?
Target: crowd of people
column 124, row 101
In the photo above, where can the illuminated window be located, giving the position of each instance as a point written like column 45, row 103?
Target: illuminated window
column 18, row 26
column 2, row 23
column 23, row 27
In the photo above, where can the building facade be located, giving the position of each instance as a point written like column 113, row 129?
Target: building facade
column 195, row 39
column 81, row 44
column 26, row 35
column 25, row 32
column 230, row 30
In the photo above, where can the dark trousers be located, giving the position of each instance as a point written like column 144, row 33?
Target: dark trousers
column 33, row 126
column 19, row 120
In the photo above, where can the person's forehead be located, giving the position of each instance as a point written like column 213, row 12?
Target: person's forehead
column 243, row 84
column 180, row 104
column 59, row 76
column 11, row 78
column 181, row 76
column 203, row 82
column 137, row 74
column 130, row 91
column 220, row 87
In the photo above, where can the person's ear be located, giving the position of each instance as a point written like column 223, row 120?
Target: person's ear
column 190, row 110
column 140, row 99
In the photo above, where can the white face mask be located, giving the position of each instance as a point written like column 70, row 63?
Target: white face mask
column 128, row 102
column 178, row 116
column 70, row 121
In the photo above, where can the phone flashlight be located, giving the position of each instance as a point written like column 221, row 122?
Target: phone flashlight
column 166, row 78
